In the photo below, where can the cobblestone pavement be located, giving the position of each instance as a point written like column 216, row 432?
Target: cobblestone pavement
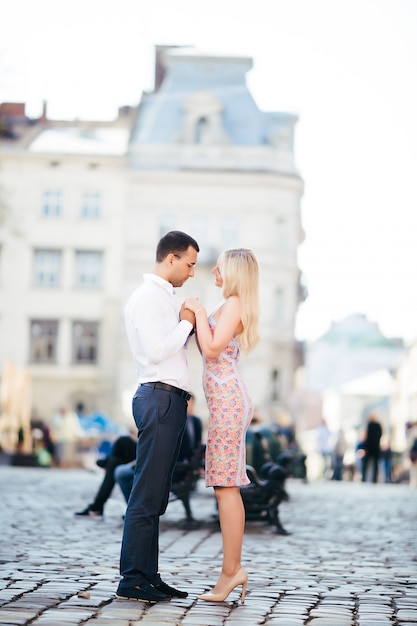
column 350, row 560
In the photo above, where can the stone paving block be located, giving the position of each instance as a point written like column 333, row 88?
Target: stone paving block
column 100, row 621
column 406, row 603
column 123, row 609
column 91, row 602
column 344, row 604
column 329, row 612
column 408, row 615
column 53, row 619
column 287, row 616
column 289, row 610
column 378, row 621
column 375, row 610
column 171, row 611
column 284, row 621
column 333, row 621
column 16, row 614
column 239, row 620
column 158, row 621
column 203, row 621
column 13, row 621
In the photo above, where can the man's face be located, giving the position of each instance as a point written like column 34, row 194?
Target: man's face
column 182, row 266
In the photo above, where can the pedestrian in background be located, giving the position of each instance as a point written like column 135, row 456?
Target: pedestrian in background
column 157, row 333
column 372, row 448
column 339, row 452
column 231, row 327
column 65, row 433
column 324, row 447
column 412, row 453
column 386, row 458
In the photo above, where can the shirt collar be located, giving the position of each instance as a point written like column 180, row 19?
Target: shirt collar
column 160, row 281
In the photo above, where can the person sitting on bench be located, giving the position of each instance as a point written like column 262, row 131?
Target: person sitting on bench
column 123, row 451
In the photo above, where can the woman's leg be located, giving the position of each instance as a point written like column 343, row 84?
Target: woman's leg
column 232, row 525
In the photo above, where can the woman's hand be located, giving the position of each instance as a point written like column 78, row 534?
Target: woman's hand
column 193, row 304
column 212, row 341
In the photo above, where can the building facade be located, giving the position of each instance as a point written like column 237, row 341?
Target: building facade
column 82, row 205
column 404, row 397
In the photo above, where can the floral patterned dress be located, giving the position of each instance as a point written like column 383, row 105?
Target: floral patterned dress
column 230, row 413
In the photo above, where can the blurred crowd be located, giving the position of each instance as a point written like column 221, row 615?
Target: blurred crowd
column 71, row 437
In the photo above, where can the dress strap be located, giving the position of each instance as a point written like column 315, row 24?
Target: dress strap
column 217, row 307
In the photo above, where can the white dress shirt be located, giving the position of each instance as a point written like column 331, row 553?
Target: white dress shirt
column 156, row 335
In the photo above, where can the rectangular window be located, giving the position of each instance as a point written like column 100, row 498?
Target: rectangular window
column 84, row 342
column 91, row 205
column 47, row 268
column 43, row 341
column 199, row 228
column 230, row 236
column 88, row 269
column 52, row 203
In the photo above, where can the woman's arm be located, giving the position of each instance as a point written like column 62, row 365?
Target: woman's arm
column 212, row 342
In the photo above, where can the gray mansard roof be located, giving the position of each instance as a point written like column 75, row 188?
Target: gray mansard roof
column 203, row 116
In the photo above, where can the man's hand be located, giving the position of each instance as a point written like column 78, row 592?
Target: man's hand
column 186, row 314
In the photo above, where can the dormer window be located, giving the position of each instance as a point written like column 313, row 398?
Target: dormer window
column 203, row 121
column 200, row 130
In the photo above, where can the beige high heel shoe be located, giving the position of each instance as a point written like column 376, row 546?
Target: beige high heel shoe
column 241, row 578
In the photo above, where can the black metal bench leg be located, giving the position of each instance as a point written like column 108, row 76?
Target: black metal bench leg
column 274, row 518
column 189, row 523
column 187, row 506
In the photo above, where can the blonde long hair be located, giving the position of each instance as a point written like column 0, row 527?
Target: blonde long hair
column 240, row 273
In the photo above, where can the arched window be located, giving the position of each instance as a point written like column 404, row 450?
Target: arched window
column 200, row 130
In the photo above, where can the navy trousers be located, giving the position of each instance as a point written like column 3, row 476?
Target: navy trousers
column 160, row 418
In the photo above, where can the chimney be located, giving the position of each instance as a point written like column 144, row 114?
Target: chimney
column 44, row 115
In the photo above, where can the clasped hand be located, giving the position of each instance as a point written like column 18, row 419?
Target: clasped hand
column 187, row 314
column 192, row 304
column 189, row 308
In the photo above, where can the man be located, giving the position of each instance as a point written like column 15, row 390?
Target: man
column 157, row 339
column 372, row 448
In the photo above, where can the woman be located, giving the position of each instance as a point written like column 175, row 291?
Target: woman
column 233, row 326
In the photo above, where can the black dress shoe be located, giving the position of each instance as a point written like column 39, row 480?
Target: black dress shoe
column 144, row 593
column 170, row 591
column 90, row 513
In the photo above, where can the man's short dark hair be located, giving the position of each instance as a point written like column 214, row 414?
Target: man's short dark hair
column 175, row 242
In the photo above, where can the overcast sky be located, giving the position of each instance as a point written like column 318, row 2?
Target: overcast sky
column 348, row 68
